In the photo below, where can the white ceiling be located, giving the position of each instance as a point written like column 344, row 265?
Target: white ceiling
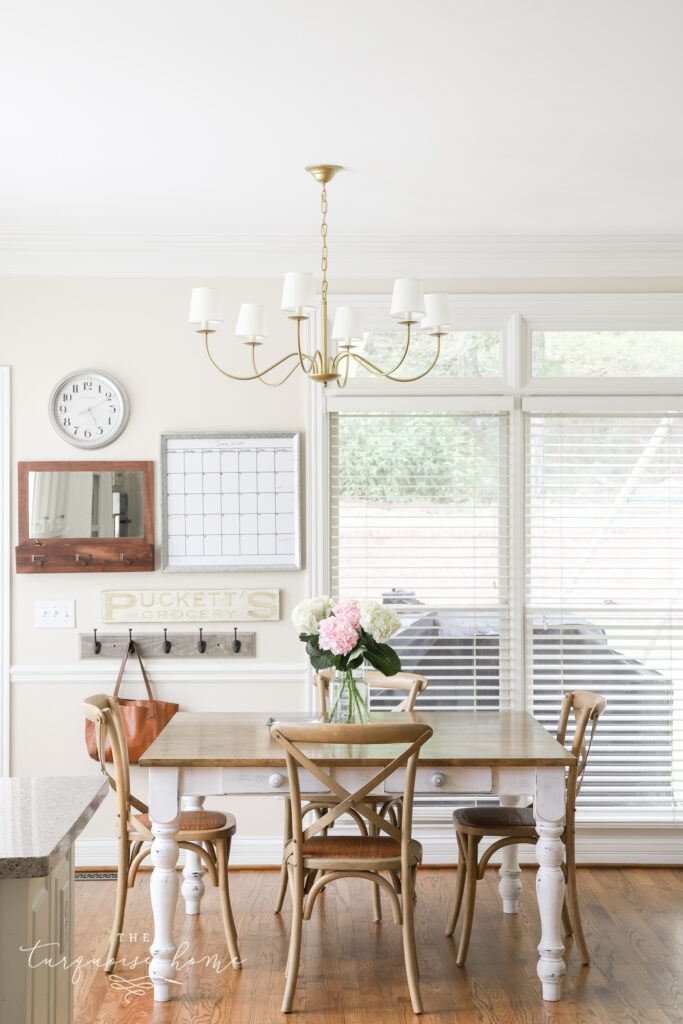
column 453, row 117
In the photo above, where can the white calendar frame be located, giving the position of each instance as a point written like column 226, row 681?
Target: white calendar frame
column 208, row 443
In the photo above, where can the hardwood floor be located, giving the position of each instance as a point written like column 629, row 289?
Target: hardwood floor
column 352, row 969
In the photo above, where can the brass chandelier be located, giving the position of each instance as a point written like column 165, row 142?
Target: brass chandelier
column 409, row 306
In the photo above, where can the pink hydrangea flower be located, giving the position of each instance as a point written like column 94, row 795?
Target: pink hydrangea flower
column 337, row 635
column 348, row 610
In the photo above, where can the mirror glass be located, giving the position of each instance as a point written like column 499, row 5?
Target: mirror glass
column 85, row 504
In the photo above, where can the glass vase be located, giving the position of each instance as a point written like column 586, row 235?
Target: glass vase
column 349, row 697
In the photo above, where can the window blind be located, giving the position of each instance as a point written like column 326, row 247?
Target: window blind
column 604, row 523
column 419, row 520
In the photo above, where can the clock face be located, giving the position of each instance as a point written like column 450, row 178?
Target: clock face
column 88, row 409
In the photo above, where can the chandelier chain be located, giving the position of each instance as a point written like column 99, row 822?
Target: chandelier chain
column 323, row 232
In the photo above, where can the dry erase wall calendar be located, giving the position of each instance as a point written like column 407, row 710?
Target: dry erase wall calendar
column 230, row 501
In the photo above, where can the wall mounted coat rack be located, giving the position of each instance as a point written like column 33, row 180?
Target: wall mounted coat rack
column 156, row 645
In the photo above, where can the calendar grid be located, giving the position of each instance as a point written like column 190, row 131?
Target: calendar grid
column 231, row 501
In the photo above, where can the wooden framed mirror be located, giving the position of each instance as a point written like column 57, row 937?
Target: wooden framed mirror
column 86, row 517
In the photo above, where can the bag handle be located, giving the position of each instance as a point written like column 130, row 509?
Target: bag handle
column 152, row 708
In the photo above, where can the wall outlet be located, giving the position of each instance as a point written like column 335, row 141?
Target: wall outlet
column 55, row 614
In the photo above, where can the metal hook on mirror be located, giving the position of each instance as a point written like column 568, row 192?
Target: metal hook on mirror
column 236, row 644
column 96, row 644
column 201, row 643
column 166, row 647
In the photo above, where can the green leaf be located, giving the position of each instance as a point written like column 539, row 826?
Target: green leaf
column 383, row 658
column 322, row 660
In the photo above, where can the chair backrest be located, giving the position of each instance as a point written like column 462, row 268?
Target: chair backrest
column 408, row 682
column 587, row 707
column 105, row 713
column 315, row 737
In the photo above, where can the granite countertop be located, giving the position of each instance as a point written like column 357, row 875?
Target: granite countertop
column 41, row 817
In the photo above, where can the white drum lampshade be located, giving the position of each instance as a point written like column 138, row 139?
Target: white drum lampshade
column 407, row 302
column 438, row 317
column 206, row 306
column 251, row 322
column 298, row 293
column 346, row 326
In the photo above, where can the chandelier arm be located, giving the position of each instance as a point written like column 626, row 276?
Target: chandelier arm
column 388, row 373
column 261, row 376
column 410, row 380
column 303, row 355
column 337, row 364
column 233, row 376
column 367, row 364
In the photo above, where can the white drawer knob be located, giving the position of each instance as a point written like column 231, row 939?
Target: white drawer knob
column 276, row 780
column 438, row 779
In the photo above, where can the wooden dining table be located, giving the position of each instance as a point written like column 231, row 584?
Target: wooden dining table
column 478, row 753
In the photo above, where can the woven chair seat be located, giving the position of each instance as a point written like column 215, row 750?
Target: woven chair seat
column 495, row 817
column 197, row 821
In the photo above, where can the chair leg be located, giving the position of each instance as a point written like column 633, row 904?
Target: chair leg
column 297, row 883
column 376, row 901
column 223, row 854
column 471, row 847
column 459, row 887
column 566, row 920
column 287, row 835
column 409, row 947
column 572, row 898
column 121, row 893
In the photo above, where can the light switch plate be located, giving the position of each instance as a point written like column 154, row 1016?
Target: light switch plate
column 55, row 614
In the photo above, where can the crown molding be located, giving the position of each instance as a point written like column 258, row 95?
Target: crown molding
column 38, row 253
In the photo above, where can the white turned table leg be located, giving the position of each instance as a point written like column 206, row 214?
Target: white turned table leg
column 163, row 811
column 510, row 885
column 549, row 815
column 164, row 895
column 193, row 882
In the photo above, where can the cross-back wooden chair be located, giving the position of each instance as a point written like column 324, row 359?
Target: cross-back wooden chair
column 205, row 833
column 407, row 682
column 312, row 854
column 512, row 825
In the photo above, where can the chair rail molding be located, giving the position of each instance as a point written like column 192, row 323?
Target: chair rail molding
column 164, row 672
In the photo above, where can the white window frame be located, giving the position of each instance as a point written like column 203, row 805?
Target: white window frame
column 516, row 315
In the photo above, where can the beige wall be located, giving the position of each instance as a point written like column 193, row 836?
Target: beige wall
column 137, row 330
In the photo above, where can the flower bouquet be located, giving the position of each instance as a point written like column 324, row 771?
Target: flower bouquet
column 344, row 637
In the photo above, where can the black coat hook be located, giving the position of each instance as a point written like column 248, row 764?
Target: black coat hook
column 131, row 642
column 201, row 643
column 166, row 644
column 96, row 645
column 236, row 644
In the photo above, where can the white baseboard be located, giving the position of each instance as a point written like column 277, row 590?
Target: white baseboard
column 622, row 845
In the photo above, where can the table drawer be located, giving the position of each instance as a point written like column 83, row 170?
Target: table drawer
column 266, row 780
column 476, row 781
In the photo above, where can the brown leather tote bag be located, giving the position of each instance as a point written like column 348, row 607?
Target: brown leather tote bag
column 143, row 720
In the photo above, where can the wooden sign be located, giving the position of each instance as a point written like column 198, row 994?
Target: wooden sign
column 190, row 605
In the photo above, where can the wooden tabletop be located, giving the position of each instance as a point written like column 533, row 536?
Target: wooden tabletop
column 242, row 739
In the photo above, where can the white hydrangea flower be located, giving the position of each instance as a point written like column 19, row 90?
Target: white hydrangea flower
column 378, row 620
column 308, row 614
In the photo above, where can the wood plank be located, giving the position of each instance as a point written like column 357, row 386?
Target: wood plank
column 461, row 738
column 352, row 969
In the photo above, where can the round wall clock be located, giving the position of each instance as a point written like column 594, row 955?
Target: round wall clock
column 89, row 409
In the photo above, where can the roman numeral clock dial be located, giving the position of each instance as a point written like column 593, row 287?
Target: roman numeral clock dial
column 89, row 409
